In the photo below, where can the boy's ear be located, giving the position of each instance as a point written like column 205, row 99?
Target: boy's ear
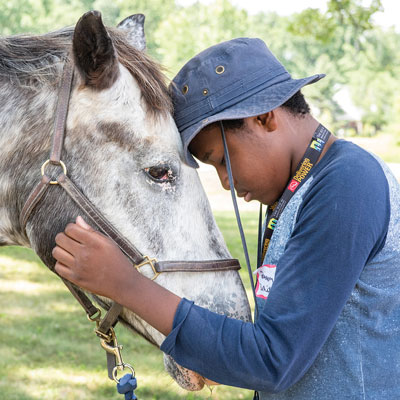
column 268, row 121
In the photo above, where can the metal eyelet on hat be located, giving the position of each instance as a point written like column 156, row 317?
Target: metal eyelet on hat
column 220, row 69
column 205, row 92
column 185, row 89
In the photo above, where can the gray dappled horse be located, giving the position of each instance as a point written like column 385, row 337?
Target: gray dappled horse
column 122, row 149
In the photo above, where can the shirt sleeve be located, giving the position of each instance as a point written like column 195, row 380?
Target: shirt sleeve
column 341, row 224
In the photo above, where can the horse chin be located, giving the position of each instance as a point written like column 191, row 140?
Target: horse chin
column 185, row 378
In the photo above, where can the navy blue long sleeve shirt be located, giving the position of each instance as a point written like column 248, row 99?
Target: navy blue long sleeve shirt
column 332, row 229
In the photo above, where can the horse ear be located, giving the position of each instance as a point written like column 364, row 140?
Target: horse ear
column 134, row 25
column 94, row 53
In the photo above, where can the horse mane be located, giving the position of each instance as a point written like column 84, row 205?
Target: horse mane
column 36, row 60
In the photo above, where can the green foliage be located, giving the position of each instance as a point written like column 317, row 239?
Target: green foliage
column 356, row 55
column 341, row 42
column 192, row 29
column 39, row 16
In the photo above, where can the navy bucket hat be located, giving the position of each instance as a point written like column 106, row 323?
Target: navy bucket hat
column 236, row 79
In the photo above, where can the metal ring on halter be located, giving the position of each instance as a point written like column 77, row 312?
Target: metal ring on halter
column 121, row 368
column 94, row 317
column 64, row 168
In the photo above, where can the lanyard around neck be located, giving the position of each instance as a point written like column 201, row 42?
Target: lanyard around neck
column 310, row 158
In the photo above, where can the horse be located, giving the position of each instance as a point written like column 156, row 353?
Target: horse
column 123, row 151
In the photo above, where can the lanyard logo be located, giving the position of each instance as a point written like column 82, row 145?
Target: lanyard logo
column 317, row 144
column 303, row 171
column 293, row 185
column 272, row 223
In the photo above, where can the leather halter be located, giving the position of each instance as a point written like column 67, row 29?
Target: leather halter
column 137, row 258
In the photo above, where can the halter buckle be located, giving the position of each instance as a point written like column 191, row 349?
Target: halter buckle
column 151, row 262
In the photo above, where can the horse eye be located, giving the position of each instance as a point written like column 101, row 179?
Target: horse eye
column 160, row 173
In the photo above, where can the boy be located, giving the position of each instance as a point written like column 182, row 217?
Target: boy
column 328, row 290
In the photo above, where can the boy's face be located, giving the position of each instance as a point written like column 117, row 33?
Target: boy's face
column 260, row 158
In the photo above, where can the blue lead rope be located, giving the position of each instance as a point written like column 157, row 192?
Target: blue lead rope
column 127, row 384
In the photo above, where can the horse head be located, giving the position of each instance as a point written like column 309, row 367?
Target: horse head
column 122, row 150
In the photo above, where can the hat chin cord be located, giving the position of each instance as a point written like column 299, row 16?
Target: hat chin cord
column 238, row 220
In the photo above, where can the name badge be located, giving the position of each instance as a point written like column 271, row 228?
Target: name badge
column 265, row 278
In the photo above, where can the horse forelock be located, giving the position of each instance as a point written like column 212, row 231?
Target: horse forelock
column 29, row 61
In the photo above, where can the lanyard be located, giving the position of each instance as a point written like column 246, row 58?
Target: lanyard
column 310, row 158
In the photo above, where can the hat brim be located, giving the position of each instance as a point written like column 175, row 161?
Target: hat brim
column 259, row 103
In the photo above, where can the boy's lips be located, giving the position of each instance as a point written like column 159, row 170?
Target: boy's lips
column 246, row 195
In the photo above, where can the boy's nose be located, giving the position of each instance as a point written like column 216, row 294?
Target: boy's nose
column 223, row 177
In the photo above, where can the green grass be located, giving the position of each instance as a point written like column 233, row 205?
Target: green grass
column 227, row 223
column 48, row 350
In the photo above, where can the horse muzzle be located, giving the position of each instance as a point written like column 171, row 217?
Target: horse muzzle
column 185, row 378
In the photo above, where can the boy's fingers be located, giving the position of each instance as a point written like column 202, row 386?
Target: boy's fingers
column 83, row 224
column 63, row 271
column 63, row 257
column 67, row 243
column 78, row 233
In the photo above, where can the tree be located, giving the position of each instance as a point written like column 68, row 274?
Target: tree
column 341, row 42
column 192, row 29
column 40, row 16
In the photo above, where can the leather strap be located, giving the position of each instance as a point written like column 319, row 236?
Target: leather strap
column 79, row 295
column 131, row 251
column 98, row 219
column 34, row 198
column 110, row 319
column 197, row 266
column 62, row 112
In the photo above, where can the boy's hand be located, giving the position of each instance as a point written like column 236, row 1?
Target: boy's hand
column 91, row 260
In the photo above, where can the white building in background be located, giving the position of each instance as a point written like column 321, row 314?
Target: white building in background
column 352, row 115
